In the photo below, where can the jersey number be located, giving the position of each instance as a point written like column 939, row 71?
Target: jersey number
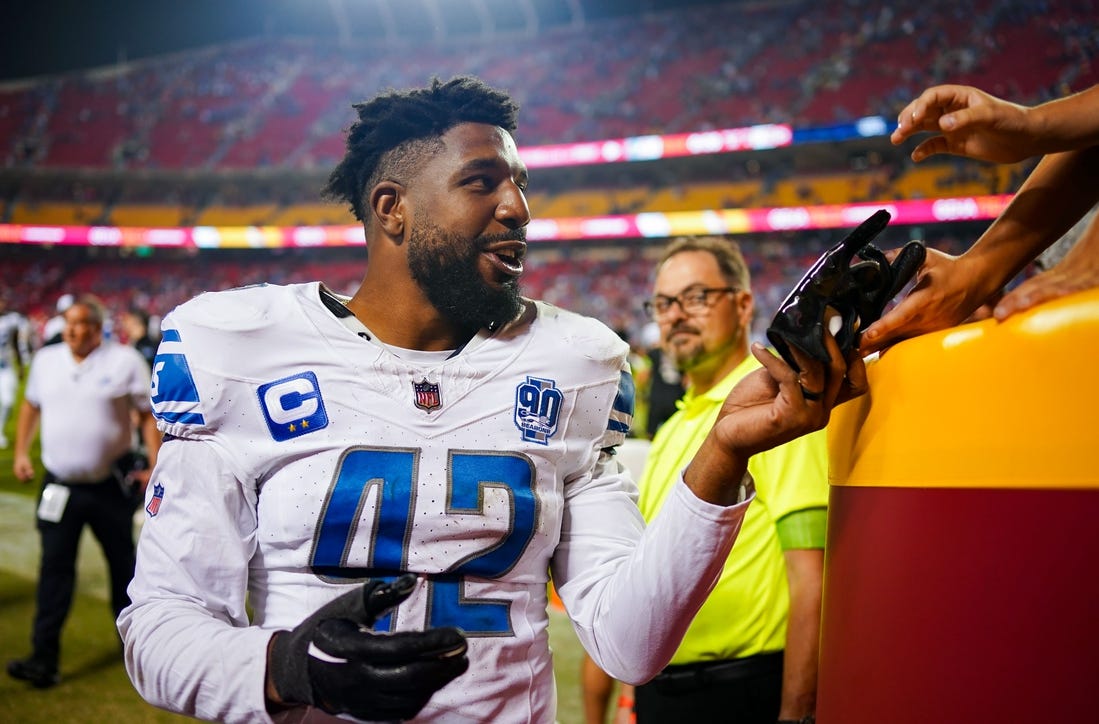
column 387, row 475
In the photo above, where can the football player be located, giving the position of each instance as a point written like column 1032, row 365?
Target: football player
column 390, row 479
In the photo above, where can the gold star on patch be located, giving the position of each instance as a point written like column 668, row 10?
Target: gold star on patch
column 304, row 424
column 292, row 428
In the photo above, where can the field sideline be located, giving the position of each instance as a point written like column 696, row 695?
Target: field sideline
column 94, row 686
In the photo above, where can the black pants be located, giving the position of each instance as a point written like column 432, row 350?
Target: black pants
column 739, row 691
column 108, row 509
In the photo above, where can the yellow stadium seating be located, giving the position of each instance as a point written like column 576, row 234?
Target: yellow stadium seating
column 312, row 215
column 919, row 182
column 56, row 213
column 147, row 215
column 254, row 215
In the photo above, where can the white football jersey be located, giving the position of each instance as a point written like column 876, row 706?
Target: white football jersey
column 306, row 459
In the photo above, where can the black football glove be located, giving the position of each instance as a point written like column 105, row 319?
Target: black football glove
column 857, row 292
column 334, row 662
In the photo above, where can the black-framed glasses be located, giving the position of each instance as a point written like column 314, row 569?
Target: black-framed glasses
column 695, row 300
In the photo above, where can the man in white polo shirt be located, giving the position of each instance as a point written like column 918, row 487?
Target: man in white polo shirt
column 81, row 394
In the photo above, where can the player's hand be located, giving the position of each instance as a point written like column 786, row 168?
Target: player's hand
column 23, row 467
column 947, row 291
column 334, row 662
column 969, row 122
column 776, row 404
column 769, row 407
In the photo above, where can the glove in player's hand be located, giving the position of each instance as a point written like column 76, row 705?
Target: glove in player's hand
column 857, row 292
column 334, row 662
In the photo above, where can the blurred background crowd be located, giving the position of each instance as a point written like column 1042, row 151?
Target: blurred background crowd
column 243, row 132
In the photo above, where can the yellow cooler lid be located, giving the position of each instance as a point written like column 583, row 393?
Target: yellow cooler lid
column 982, row 405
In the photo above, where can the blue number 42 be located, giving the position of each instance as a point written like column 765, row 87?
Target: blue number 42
column 389, row 474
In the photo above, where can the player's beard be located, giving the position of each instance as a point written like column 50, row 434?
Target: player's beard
column 445, row 266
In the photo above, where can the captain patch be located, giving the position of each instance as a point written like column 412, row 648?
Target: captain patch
column 293, row 406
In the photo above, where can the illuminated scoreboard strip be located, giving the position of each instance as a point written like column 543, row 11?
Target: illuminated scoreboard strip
column 201, row 237
column 647, row 225
column 653, row 147
column 627, row 226
column 745, row 221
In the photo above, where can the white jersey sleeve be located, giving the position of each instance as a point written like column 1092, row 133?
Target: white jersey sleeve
column 194, row 567
column 618, row 578
column 189, row 645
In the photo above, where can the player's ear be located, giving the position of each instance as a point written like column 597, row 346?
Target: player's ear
column 387, row 203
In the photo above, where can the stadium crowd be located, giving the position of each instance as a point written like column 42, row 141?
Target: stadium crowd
column 238, row 135
column 281, row 103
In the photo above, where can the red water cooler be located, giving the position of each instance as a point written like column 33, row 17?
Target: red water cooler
column 962, row 568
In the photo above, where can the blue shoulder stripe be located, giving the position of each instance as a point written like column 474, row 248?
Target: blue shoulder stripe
column 621, row 418
column 623, row 401
column 183, row 418
column 174, row 395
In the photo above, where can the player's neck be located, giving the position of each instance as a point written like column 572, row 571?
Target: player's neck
column 408, row 323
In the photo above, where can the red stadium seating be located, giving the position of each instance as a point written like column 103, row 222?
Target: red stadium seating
column 284, row 103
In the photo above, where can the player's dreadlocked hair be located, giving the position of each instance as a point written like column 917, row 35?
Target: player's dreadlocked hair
column 396, row 128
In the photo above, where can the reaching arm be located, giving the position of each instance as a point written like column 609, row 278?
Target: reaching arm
column 1061, row 189
column 617, row 577
column 970, row 122
column 1079, row 270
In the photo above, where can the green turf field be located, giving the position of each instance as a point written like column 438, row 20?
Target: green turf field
column 94, row 686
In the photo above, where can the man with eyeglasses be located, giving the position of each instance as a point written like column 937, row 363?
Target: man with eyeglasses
column 759, row 665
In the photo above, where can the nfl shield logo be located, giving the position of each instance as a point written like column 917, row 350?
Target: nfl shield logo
column 154, row 504
column 427, row 395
